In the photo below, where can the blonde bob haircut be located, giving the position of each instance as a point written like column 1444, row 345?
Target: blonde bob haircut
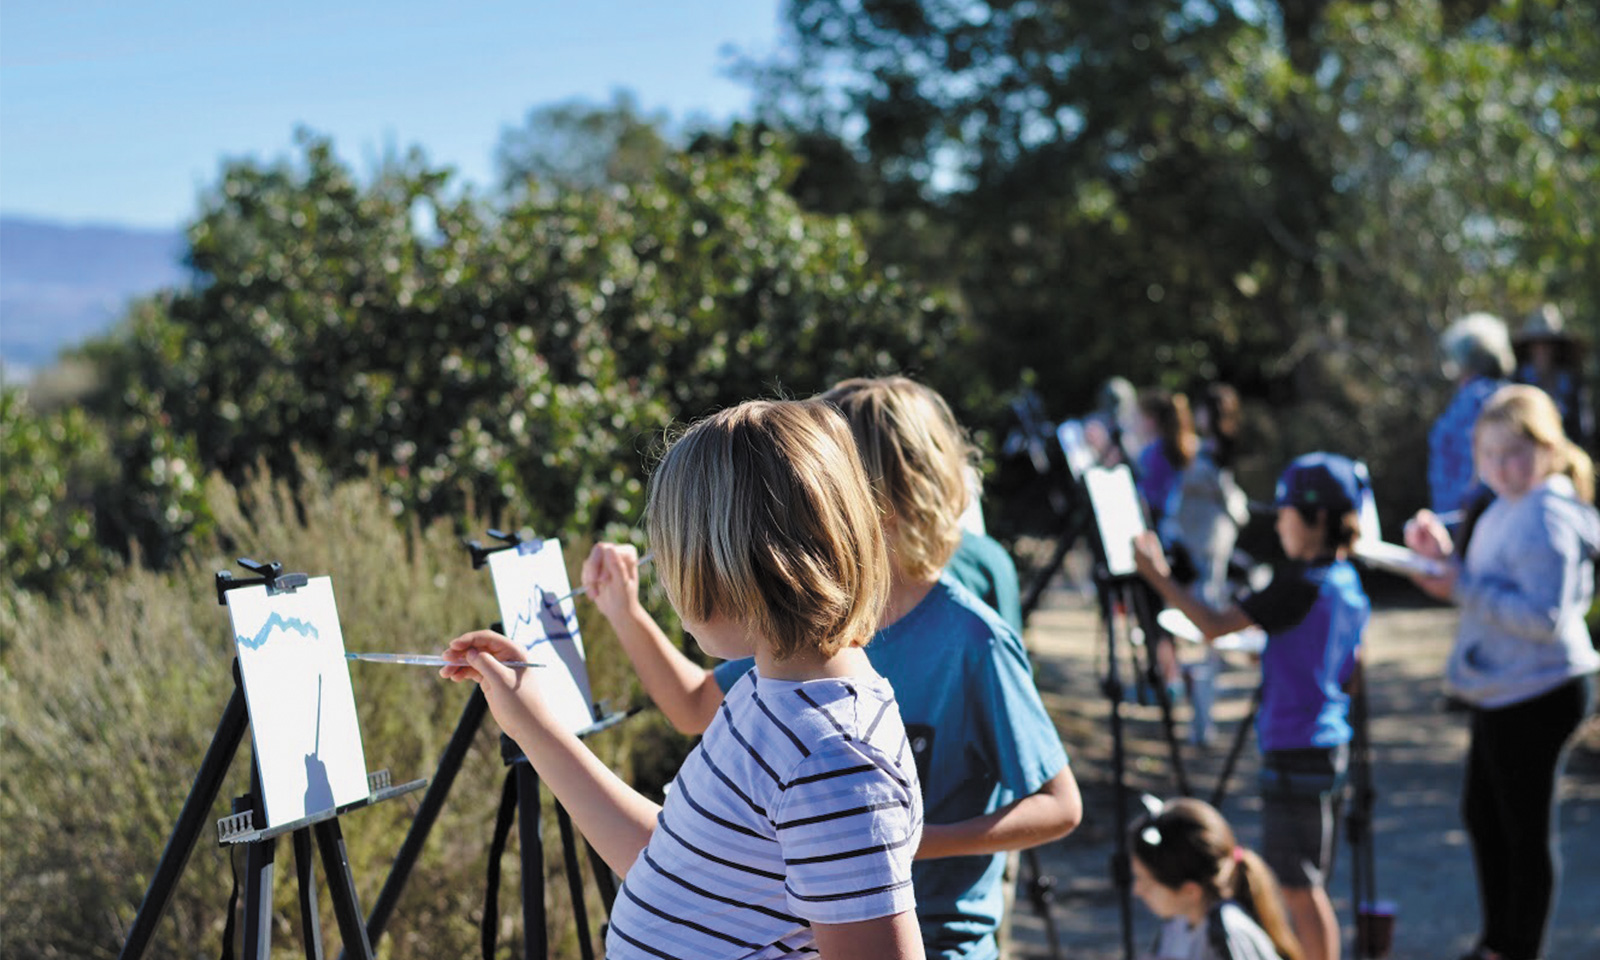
column 916, row 457
column 1530, row 412
column 761, row 514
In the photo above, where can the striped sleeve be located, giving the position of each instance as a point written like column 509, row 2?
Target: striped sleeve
column 848, row 821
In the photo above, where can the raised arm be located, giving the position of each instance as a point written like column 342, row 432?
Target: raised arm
column 612, row 816
column 1152, row 566
column 1426, row 534
column 686, row 692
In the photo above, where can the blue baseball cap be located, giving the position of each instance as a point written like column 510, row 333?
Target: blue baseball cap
column 1323, row 481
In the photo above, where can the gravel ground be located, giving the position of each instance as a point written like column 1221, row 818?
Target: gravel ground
column 1422, row 859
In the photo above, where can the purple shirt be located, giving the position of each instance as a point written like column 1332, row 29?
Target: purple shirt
column 1157, row 478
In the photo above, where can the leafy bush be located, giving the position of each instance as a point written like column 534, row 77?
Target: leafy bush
column 52, row 461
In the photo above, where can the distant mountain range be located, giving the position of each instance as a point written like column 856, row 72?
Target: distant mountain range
column 61, row 285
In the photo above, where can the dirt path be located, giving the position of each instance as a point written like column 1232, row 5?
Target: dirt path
column 1422, row 858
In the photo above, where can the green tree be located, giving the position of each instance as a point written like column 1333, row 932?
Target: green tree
column 519, row 357
column 576, row 145
column 1294, row 196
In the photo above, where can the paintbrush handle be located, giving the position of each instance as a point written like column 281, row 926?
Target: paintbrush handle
column 580, row 591
column 424, row 660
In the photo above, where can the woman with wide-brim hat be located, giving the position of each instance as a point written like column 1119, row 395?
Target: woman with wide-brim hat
column 1551, row 358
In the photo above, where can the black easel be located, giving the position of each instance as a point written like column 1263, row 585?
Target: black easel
column 1114, row 599
column 1117, row 596
column 1122, row 600
column 1078, row 522
column 260, row 845
column 519, row 796
column 1358, row 821
column 1240, row 735
column 520, row 805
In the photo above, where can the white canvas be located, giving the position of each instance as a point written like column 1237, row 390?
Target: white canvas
column 302, row 709
column 1117, row 515
column 527, row 582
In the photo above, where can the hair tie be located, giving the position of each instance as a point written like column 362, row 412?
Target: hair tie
column 1238, row 854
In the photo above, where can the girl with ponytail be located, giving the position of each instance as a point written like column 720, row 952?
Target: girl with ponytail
column 1523, row 661
column 1218, row 900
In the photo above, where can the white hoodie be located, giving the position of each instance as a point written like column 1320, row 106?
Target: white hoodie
column 1524, row 590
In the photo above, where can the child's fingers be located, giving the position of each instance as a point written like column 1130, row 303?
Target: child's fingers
column 490, row 669
column 597, row 564
column 623, row 564
column 477, row 657
column 492, row 645
column 459, row 673
column 490, row 642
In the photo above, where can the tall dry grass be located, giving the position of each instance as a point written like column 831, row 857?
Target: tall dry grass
column 108, row 702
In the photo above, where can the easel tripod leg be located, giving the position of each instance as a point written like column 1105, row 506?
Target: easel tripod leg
column 259, row 857
column 306, row 879
column 603, row 878
column 1039, row 887
column 569, row 857
column 1039, row 884
column 427, row 814
column 1058, row 556
column 531, row 844
column 342, row 889
column 1239, row 737
column 1143, row 609
column 192, row 819
column 1121, row 871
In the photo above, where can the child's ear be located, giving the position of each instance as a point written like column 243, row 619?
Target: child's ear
column 1190, row 891
column 1325, row 521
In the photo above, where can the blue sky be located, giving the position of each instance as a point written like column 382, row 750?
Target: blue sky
column 121, row 112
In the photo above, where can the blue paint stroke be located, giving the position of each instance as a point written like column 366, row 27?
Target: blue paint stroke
column 284, row 624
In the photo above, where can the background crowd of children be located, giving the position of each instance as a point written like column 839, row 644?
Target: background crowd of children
column 873, row 744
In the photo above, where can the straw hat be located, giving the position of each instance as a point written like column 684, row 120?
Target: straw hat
column 1546, row 325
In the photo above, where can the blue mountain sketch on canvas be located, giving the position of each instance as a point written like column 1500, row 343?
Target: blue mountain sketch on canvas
column 282, row 624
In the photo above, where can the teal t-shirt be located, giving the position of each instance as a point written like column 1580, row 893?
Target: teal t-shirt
column 981, row 565
column 982, row 740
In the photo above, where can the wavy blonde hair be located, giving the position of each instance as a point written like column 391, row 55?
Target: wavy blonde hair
column 916, row 458
column 762, row 513
column 1531, row 412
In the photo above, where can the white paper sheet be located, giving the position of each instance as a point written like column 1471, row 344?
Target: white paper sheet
column 302, row 709
column 527, row 581
column 1117, row 515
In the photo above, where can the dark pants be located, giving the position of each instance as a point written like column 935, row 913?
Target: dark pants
column 1508, row 806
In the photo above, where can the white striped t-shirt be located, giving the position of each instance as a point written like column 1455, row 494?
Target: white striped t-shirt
column 800, row 805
